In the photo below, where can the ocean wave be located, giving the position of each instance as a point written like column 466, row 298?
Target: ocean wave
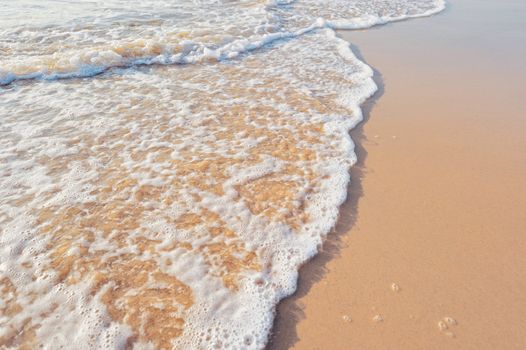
column 170, row 203
column 178, row 46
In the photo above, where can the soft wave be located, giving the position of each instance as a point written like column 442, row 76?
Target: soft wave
column 175, row 47
column 170, row 202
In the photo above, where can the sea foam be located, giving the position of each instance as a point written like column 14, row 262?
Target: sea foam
column 170, row 201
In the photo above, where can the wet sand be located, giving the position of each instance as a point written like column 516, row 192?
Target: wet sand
column 437, row 203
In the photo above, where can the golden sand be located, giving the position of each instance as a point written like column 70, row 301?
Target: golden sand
column 429, row 252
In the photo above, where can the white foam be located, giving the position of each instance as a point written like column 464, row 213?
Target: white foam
column 167, row 48
column 97, row 143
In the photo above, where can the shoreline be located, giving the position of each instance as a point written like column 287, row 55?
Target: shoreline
column 314, row 270
column 288, row 313
column 343, row 289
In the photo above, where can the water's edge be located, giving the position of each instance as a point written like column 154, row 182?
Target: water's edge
column 312, row 271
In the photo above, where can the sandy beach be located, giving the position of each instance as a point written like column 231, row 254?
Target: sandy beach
column 429, row 252
column 168, row 167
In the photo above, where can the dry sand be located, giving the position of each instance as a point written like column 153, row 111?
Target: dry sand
column 438, row 200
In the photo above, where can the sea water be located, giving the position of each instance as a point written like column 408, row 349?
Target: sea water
column 167, row 166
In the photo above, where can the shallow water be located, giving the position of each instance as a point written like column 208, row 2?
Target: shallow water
column 169, row 200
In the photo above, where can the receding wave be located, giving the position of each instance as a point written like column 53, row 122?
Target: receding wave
column 164, row 205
